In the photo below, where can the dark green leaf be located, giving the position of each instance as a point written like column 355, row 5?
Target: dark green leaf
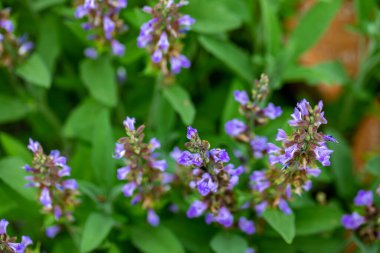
column 282, row 223
column 39, row 5
column 12, row 109
column 228, row 243
column 99, row 78
column 95, row 230
column 35, row 71
column 181, row 103
column 13, row 147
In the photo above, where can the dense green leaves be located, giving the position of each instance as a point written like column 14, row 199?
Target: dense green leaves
column 12, row 109
column 181, row 103
column 35, row 71
column 231, row 55
column 228, row 243
column 155, row 240
column 99, row 78
column 95, row 230
column 282, row 223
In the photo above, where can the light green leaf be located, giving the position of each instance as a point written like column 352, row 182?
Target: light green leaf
column 234, row 57
column 35, row 71
column 13, row 147
column 99, row 78
column 271, row 27
column 181, row 102
column 12, row 109
column 96, row 229
column 372, row 166
column 12, row 174
column 228, row 243
column 103, row 146
column 282, row 223
column 155, row 240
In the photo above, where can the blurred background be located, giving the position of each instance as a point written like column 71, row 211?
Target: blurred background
column 320, row 50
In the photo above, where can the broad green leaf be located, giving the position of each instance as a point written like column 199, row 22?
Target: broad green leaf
column 234, row 57
column 12, row 174
column 96, row 229
column 82, row 120
column 13, row 147
column 213, row 16
column 313, row 24
column 99, row 78
column 228, row 243
column 282, row 223
column 12, row 109
column 272, row 245
column 181, row 102
column 39, row 5
column 155, row 240
column 373, row 166
column 103, row 147
column 316, row 219
column 318, row 244
column 271, row 27
column 35, row 71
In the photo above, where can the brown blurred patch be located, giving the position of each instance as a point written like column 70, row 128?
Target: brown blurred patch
column 338, row 43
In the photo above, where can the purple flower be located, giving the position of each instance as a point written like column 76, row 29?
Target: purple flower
column 284, row 207
column 259, row 145
column 25, row 48
column 52, row 231
column 179, row 62
column 123, row 172
column 57, row 212
column 160, row 165
column 176, row 153
column 91, row 53
column 209, row 218
column 57, row 158
column 118, row 49
column 28, row 168
column 163, row 42
column 247, row 226
column 329, row 138
column 20, row 247
column 250, row 250
column 129, row 123
column 241, row 97
column 261, row 207
column 129, row 188
column 364, row 198
column 70, row 184
column 225, row 217
column 7, row 25
column 259, row 181
column 45, row 198
column 108, row 26
column 219, row 155
column 89, row 4
column 1, row 37
column 206, row 185
column 147, row 9
column 186, row 21
column 281, row 135
column 119, row 151
column 196, row 209
column 352, row 221
column 81, row 11
column 33, row 146
column 3, row 226
column 322, row 154
column 157, row 56
column 153, row 218
column 313, row 172
column 272, row 111
column 235, row 127
column 191, row 133
column 65, row 171
column 189, row 159
column 307, row 186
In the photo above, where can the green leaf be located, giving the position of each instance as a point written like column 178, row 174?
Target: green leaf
column 317, row 244
column 234, row 57
column 228, row 243
column 12, row 174
column 282, row 223
column 372, row 166
column 82, row 120
column 35, row 71
column 271, row 27
column 96, row 229
column 12, row 109
column 155, row 240
column 103, row 147
column 213, row 16
column 315, row 219
column 313, row 24
column 13, row 147
column 39, row 5
column 99, row 78
column 181, row 102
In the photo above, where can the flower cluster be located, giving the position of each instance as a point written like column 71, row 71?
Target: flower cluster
column 57, row 193
column 145, row 174
column 8, row 244
column 214, row 181
column 365, row 220
column 161, row 35
column 104, row 23
column 12, row 49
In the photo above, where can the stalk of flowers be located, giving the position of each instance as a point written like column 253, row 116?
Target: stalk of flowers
column 8, row 244
column 365, row 220
column 144, row 172
column 255, row 114
column 162, row 35
column 214, row 181
column 12, row 48
column 104, row 25
column 57, row 193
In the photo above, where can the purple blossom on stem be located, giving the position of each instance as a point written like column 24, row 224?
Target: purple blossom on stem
column 3, row 226
column 247, row 226
column 259, row 181
column 241, row 97
column 191, row 133
column 272, row 111
column 220, row 155
column 284, row 207
column 224, row 217
column 352, row 221
column 52, row 231
column 153, row 218
column 364, row 198
column 235, row 127
column 196, row 209
column 206, row 185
